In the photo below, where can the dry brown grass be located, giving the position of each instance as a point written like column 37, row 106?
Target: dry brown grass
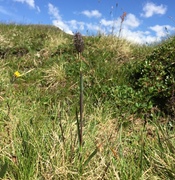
column 55, row 76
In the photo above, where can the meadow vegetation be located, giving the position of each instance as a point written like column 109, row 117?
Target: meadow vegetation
column 128, row 106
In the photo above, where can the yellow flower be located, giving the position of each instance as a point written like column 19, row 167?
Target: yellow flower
column 17, row 74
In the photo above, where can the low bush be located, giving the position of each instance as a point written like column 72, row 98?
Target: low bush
column 156, row 76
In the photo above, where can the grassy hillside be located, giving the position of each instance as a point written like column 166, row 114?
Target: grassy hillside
column 128, row 107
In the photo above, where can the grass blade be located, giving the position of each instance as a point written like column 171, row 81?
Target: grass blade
column 3, row 170
column 90, row 157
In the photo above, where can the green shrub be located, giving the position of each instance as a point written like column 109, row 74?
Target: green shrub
column 156, row 76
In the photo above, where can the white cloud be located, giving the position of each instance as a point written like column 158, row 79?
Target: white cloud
column 85, row 27
column 131, row 21
column 92, row 27
column 113, row 26
column 150, row 9
column 140, row 37
column 105, row 22
column 62, row 26
column 161, row 30
column 54, row 12
column 93, row 13
column 76, row 25
column 129, row 30
column 30, row 3
column 147, row 36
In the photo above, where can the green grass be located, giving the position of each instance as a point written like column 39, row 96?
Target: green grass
column 125, row 136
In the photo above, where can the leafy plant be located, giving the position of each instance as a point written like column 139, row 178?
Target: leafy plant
column 156, row 75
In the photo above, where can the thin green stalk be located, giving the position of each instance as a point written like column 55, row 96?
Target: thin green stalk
column 141, row 154
column 81, row 108
column 79, row 45
column 120, row 141
column 142, row 148
column 78, row 126
column 61, row 126
column 81, row 117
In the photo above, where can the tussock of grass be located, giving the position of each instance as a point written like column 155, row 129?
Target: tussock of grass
column 124, row 135
column 55, row 76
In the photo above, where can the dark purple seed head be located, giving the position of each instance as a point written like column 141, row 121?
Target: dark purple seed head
column 78, row 42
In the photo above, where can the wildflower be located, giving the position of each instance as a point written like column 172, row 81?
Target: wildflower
column 78, row 42
column 17, row 74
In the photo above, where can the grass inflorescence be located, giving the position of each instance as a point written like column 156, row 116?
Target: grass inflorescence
column 89, row 111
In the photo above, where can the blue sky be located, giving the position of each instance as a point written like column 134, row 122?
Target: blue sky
column 145, row 22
